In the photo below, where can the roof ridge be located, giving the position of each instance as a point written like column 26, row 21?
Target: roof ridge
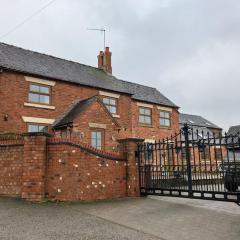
column 50, row 55
column 191, row 114
column 72, row 61
column 234, row 126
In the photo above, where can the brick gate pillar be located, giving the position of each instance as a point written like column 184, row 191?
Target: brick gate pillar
column 128, row 147
column 34, row 166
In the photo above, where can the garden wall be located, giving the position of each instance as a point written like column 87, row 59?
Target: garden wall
column 37, row 167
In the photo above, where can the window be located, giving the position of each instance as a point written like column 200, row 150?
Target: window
column 111, row 104
column 218, row 154
column 165, row 119
column 37, row 128
column 204, row 153
column 39, row 94
column 145, row 115
column 148, row 153
column 97, row 139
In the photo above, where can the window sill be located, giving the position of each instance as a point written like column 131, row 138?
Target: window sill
column 145, row 125
column 115, row 116
column 163, row 127
column 35, row 105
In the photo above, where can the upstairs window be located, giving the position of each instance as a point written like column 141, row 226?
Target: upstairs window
column 37, row 128
column 97, row 139
column 111, row 104
column 39, row 94
column 145, row 115
column 165, row 119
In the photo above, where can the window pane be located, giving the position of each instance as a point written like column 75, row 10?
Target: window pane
column 108, row 108
column 112, row 101
column 147, row 120
column 106, row 100
column 34, row 88
column 141, row 119
column 112, row 109
column 93, row 142
column 96, row 140
column 44, row 90
column 32, row 128
column 44, row 99
column 98, row 134
column 94, row 135
column 167, row 122
column 141, row 110
column 167, row 115
column 33, row 97
column 42, row 128
column 162, row 122
column 99, row 143
column 162, row 114
column 147, row 111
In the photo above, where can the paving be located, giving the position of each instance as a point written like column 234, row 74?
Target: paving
column 140, row 218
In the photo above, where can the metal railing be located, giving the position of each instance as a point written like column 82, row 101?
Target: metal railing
column 193, row 163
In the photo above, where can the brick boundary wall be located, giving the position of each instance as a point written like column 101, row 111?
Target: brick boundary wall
column 38, row 166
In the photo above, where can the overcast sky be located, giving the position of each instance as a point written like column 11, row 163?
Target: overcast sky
column 188, row 49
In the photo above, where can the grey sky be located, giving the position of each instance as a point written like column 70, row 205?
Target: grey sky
column 188, row 49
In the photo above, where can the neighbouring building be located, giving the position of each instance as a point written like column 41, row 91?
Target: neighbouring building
column 45, row 93
column 233, row 130
column 199, row 123
column 207, row 134
column 233, row 134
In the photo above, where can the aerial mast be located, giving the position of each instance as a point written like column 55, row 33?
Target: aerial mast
column 102, row 30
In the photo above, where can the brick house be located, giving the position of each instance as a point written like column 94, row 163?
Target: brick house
column 37, row 89
column 94, row 119
column 204, row 131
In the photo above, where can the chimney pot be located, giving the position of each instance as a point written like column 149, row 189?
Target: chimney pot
column 105, row 60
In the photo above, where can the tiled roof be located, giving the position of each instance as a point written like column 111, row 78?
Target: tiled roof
column 38, row 64
column 233, row 130
column 77, row 108
column 195, row 120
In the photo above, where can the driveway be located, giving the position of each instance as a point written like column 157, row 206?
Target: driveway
column 144, row 218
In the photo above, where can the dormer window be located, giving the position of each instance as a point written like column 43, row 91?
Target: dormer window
column 39, row 94
column 111, row 104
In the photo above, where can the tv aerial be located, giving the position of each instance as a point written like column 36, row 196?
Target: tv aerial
column 103, row 31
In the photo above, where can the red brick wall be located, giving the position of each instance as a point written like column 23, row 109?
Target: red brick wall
column 11, row 170
column 155, row 131
column 14, row 92
column 76, row 175
column 41, row 167
column 34, row 168
column 96, row 113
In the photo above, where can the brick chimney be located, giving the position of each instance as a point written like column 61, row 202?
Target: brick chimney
column 105, row 60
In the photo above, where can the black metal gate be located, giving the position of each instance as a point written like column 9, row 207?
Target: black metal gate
column 193, row 163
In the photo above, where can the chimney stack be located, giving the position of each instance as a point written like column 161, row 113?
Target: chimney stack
column 105, row 60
